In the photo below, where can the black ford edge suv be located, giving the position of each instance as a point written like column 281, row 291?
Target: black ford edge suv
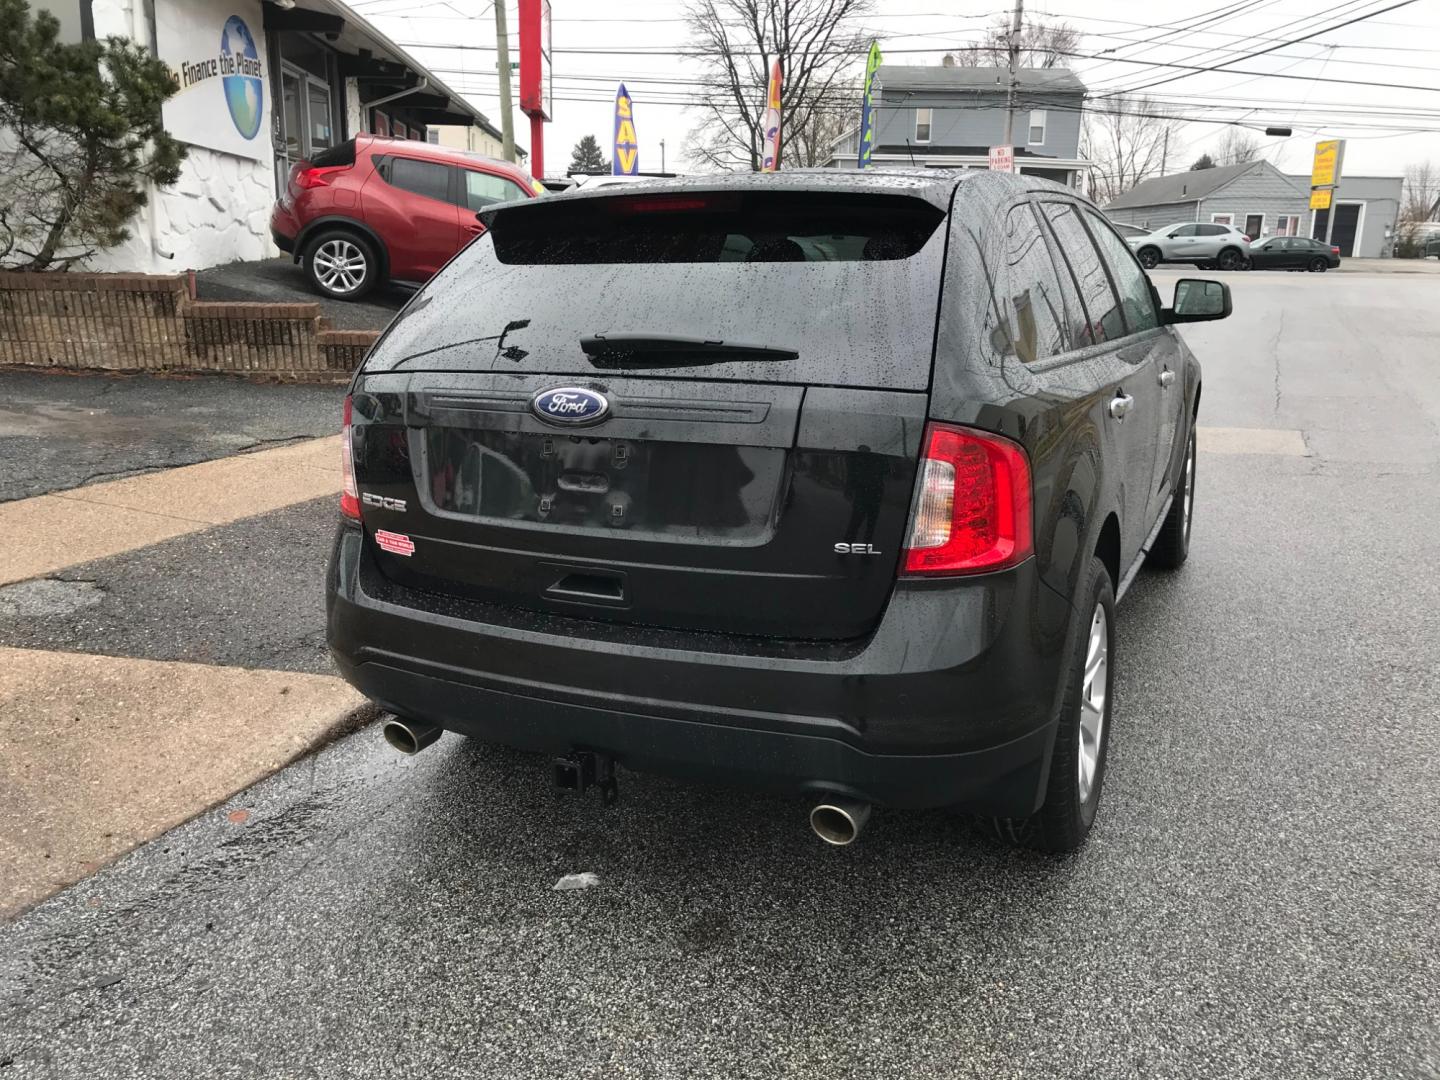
column 818, row 481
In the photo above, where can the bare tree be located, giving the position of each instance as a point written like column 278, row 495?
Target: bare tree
column 1421, row 192
column 809, row 144
column 1126, row 141
column 818, row 44
column 1237, row 146
column 1042, row 45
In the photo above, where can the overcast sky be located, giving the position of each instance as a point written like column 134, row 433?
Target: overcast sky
column 1393, row 49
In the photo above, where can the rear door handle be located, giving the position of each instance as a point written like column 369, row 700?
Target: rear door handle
column 1120, row 405
column 1166, row 378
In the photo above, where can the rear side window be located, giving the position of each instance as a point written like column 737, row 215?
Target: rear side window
column 1103, row 320
column 484, row 189
column 1130, row 279
column 1212, row 230
column 427, row 178
column 1027, row 316
column 850, row 283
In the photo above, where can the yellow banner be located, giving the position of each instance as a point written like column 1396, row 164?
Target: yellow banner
column 1320, row 199
column 1325, row 171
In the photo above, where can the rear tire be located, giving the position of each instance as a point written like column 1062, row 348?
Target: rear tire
column 341, row 264
column 1319, row 265
column 1230, row 259
column 1172, row 545
column 1149, row 257
column 1077, row 766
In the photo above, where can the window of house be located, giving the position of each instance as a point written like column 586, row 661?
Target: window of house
column 399, row 130
column 426, row 178
column 1222, row 219
column 482, row 189
column 382, row 124
column 922, row 125
column 432, row 135
column 1037, row 126
column 1288, row 225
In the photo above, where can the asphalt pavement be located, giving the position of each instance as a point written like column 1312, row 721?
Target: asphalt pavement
column 1258, row 897
column 283, row 281
column 60, row 430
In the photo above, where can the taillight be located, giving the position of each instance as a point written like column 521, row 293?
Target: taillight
column 1334, row 251
column 1245, row 238
column 349, row 492
column 313, row 177
column 972, row 512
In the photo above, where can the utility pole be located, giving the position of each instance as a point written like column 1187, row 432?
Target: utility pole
column 507, row 115
column 1014, row 51
column 662, row 155
column 1165, row 152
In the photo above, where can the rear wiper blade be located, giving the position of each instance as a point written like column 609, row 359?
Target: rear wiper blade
column 673, row 350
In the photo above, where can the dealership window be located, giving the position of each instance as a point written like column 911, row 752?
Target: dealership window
column 922, row 125
column 1037, row 126
column 432, row 135
column 381, row 124
column 1288, row 225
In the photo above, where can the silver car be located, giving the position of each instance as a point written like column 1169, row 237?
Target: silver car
column 1192, row 242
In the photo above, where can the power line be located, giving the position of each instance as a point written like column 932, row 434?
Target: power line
column 1295, row 41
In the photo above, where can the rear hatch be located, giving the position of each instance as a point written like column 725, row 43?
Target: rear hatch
column 698, row 411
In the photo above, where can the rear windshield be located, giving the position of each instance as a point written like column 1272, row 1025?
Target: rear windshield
column 847, row 284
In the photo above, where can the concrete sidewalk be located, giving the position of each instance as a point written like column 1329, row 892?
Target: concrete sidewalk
column 105, row 752
column 50, row 532
column 1389, row 266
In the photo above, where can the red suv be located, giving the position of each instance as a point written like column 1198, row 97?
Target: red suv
column 373, row 209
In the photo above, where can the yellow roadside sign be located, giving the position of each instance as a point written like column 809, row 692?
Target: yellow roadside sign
column 1325, row 170
column 1320, row 199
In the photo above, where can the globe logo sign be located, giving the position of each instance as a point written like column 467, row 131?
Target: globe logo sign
column 240, row 65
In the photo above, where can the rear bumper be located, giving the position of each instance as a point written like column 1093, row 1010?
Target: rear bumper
column 950, row 702
column 283, row 228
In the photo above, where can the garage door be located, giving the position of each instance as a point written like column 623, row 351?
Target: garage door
column 1347, row 221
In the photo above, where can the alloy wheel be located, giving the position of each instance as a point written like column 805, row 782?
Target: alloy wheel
column 1229, row 260
column 1093, row 692
column 1149, row 258
column 339, row 266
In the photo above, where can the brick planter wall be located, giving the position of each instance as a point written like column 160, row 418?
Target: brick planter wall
column 139, row 322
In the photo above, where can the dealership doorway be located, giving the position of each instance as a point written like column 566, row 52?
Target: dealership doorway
column 1346, row 230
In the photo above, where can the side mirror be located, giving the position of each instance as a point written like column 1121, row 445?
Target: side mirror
column 1197, row 300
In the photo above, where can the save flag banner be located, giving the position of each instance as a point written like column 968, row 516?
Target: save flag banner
column 626, row 160
column 867, row 110
column 770, row 153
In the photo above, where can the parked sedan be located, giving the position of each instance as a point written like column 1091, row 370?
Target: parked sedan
column 828, row 551
column 1292, row 253
column 1195, row 242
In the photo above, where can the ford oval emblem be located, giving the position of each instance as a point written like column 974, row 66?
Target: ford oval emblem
column 570, row 405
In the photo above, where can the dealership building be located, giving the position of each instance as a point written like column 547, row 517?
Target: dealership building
column 262, row 84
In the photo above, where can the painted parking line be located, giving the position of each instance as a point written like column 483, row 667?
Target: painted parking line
column 104, row 753
column 50, row 532
column 1284, row 442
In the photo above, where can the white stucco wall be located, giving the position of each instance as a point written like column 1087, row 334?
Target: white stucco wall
column 218, row 212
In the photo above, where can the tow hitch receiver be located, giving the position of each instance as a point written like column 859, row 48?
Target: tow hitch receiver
column 579, row 771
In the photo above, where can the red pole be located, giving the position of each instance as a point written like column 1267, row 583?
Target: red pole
column 537, row 147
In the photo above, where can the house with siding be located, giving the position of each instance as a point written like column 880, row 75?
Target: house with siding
column 949, row 117
column 1260, row 200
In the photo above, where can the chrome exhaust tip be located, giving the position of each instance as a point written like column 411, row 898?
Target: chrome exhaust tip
column 839, row 821
column 409, row 737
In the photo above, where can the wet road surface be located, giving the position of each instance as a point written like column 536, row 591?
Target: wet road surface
column 1257, row 900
